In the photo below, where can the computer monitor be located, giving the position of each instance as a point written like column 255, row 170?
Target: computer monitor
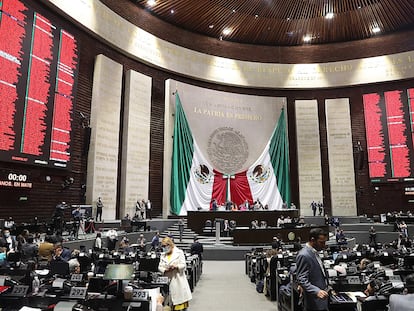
column 409, row 262
column 97, row 285
column 148, row 264
column 59, row 268
column 119, row 272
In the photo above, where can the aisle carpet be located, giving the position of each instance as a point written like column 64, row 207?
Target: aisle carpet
column 224, row 286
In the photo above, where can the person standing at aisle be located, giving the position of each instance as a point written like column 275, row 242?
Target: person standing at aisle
column 311, row 274
column 148, row 208
column 172, row 264
column 140, row 209
column 181, row 225
column 99, row 207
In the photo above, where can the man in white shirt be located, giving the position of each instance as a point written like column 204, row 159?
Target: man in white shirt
column 148, row 209
column 111, row 239
column 404, row 302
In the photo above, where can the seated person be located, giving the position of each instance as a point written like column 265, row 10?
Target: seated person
column 141, row 242
column 61, row 253
column 404, row 302
column 74, row 266
column 263, row 224
column 373, row 287
column 276, row 243
column 280, row 221
column 46, row 248
column 340, row 237
column 124, row 245
column 363, row 264
column 258, row 205
column 29, row 249
column 255, row 224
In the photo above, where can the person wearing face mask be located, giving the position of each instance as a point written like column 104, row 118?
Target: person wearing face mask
column 8, row 241
column 172, row 264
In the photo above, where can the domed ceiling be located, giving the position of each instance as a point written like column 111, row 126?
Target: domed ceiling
column 285, row 22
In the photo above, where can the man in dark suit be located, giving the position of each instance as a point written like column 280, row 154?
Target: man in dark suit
column 404, row 302
column 197, row 248
column 311, row 274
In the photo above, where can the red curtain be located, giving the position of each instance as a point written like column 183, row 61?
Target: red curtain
column 219, row 188
column 239, row 188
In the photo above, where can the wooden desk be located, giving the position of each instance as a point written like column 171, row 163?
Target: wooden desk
column 247, row 236
column 196, row 220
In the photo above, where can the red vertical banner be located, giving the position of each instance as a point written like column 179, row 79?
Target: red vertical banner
column 410, row 93
column 12, row 33
column 38, row 86
column 397, row 135
column 64, row 96
column 375, row 136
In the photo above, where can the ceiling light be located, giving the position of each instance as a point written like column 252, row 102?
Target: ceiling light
column 221, row 38
column 376, row 29
column 226, row 31
column 211, row 26
column 151, row 2
column 172, row 11
column 329, row 15
column 233, row 11
column 256, row 16
column 307, row 38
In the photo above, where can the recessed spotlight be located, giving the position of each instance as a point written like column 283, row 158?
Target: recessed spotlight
column 233, row 11
column 226, row 31
column 211, row 26
column 288, row 19
column 307, row 38
column 359, row 6
column 172, row 11
column 256, row 16
column 376, row 29
column 329, row 15
column 151, row 2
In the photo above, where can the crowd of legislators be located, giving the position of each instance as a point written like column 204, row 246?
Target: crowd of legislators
column 245, row 206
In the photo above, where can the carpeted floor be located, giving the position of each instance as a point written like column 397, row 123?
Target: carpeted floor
column 224, row 286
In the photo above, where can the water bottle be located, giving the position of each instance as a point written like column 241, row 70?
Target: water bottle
column 35, row 285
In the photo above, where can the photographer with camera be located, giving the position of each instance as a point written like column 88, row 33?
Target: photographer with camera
column 77, row 216
column 58, row 221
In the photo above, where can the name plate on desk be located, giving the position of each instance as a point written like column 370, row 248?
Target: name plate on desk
column 19, row 291
column 139, row 294
column 77, row 292
column 162, row 280
column 76, row 277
